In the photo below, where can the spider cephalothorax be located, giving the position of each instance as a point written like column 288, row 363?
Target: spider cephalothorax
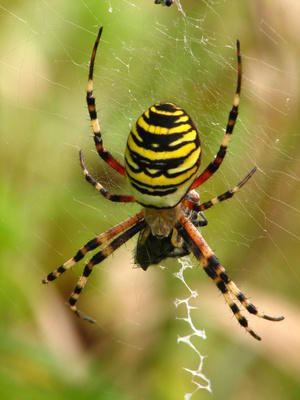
column 162, row 159
column 160, row 240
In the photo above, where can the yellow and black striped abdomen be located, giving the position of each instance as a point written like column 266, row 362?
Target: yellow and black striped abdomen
column 162, row 156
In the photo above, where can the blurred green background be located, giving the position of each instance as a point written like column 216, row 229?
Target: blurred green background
column 148, row 54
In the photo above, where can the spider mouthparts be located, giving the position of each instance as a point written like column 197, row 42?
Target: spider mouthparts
column 45, row 281
column 273, row 318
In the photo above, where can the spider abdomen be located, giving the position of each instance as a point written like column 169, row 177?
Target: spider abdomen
column 162, row 156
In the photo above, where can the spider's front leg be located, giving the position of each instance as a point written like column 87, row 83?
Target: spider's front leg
column 196, row 207
column 119, row 198
column 91, row 104
column 233, row 114
column 217, row 273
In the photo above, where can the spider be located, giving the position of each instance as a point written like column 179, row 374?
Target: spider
column 162, row 159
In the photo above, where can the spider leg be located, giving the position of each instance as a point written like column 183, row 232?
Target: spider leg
column 248, row 305
column 103, row 153
column 112, row 197
column 93, row 244
column 214, row 165
column 218, row 199
column 98, row 258
column 217, row 273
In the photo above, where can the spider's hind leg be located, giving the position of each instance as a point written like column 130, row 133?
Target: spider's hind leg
column 248, row 305
column 218, row 274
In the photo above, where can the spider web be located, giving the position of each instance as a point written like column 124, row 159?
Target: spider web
column 185, row 54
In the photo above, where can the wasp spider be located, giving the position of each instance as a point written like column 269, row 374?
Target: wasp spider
column 162, row 159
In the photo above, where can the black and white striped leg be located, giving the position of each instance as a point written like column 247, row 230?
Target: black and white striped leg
column 217, row 273
column 120, row 198
column 91, row 103
column 98, row 258
column 93, row 244
column 215, row 164
column 218, row 199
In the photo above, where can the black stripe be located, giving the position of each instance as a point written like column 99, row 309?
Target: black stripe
column 87, row 270
column 252, row 309
column 232, row 117
column 159, row 171
column 90, row 99
column 144, row 162
column 243, row 321
column 161, row 138
column 98, row 139
column 92, row 244
column 79, row 255
column 158, row 143
column 234, row 308
column 226, row 195
column 221, row 286
column 93, row 114
column 166, row 121
column 77, row 289
column 159, row 187
column 241, row 297
column 222, row 151
column 167, row 107
column 155, row 193
column 207, row 204
column 211, row 272
column 225, row 278
column 51, row 276
column 105, row 155
column 72, row 301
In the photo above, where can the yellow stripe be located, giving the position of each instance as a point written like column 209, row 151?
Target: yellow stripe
column 136, row 134
column 184, row 118
column 151, row 128
column 180, row 129
column 142, row 178
column 159, row 130
column 169, row 113
column 151, row 171
column 188, row 137
column 162, row 155
column 129, row 160
column 188, row 162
